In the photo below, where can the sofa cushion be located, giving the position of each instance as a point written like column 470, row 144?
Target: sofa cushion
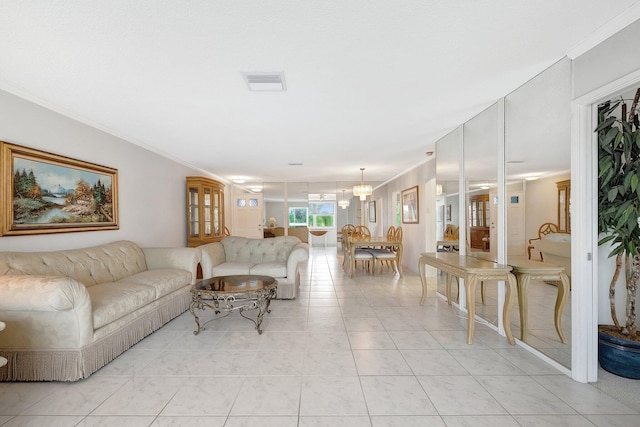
column 231, row 268
column 164, row 280
column 100, row 264
column 273, row 269
column 257, row 251
column 111, row 301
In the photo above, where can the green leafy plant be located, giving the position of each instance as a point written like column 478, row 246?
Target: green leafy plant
column 619, row 200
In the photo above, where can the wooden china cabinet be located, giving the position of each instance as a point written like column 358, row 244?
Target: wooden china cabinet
column 564, row 206
column 205, row 211
column 479, row 222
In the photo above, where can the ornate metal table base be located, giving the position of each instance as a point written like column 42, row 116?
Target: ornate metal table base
column 233, row 293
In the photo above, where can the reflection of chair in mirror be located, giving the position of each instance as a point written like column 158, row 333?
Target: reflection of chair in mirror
column 451, row 234
column 546, row 228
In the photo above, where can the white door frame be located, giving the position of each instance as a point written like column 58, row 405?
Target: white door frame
column 584, row 221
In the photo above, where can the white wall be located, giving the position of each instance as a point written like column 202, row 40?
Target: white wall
column 606, row 63
column 610, row 60
column 417, row 238
column 152, row 188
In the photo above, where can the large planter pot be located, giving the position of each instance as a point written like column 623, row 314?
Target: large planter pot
column 619, row 356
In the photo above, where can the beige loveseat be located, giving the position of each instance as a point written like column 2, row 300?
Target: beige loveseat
column 277, row 257
column 556, row 249
column 70, row 312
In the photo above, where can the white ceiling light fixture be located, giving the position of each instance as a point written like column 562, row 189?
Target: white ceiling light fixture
column 265, row 82
column 344, row 203
column 362, row 190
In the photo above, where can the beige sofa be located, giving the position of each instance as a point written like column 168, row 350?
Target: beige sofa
column 70, row 312
column 556, row 249
column 277, row 257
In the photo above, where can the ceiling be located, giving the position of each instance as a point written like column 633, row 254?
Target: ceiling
column 369, row 83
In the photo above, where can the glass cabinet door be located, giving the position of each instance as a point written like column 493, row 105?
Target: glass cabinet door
column 207, row 212
column 217, row 230
column 193, row 212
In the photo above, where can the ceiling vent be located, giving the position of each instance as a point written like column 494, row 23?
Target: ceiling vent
column 265, row 81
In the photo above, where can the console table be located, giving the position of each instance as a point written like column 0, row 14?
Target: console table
column 472, row 270
column 525, row 270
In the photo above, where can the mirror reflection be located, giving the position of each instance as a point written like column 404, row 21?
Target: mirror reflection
column 538, row 156
column 537, row 205
column 481, row 183
column 311, row 211
column 447, row 197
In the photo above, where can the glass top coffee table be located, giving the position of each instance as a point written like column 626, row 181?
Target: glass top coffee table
column 233, row 293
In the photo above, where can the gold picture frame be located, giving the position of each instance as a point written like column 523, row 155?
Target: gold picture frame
column 372, row 211
column 410, row 206
column 42, row 192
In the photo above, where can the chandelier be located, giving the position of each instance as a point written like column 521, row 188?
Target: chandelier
column 363, row 190
column 344, row 203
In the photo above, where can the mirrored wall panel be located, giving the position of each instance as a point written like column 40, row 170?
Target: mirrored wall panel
column 480, row 168
column 447, row 197
column 537, row 151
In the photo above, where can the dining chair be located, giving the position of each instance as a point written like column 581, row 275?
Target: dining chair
column 391, row 232
column 347, row 232
column 362, row 231
column 389, row 254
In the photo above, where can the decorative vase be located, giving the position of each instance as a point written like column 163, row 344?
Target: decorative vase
column 619, row 356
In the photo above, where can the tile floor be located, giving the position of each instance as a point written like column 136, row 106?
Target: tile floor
column 348, row 352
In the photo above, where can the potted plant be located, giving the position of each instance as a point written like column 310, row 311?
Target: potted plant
column 619, row 220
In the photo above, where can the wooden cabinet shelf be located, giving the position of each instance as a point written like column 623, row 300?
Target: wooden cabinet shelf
column 205, row 211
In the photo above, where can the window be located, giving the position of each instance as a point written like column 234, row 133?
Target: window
column 297, row 217
column 322, row 214
column 317, row 215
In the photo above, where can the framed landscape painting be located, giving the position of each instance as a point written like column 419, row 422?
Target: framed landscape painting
column 410, row 205
column 48, row 193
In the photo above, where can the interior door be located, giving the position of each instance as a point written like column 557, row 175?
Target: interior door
column 516, row 223
column 247, row 215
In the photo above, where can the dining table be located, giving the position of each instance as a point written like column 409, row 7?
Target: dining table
column 355, row 242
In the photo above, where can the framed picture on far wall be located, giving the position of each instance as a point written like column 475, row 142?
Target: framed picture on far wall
column 372, row 211
column 49, row 193
column 410, row 205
